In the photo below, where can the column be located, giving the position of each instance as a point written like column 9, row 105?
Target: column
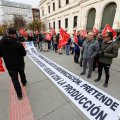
column 116, row 22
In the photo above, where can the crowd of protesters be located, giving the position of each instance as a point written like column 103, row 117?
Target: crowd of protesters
column 91, row 51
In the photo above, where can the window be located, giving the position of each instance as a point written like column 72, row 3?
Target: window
column 54, row 25
column 42, row 12
column 66, row 23
column 75, row 21
column 49, row 26
column 53, row 6
column 59, row 23
column 67, row 2
column 48, row 9
column 59, row 3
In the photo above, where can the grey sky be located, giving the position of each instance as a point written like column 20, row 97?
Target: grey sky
column 34, row 3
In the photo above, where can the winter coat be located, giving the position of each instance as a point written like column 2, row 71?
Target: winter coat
column 13, row 53
column 109, row 54
column 90, row 49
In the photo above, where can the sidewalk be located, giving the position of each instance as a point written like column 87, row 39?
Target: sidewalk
column 47, row 101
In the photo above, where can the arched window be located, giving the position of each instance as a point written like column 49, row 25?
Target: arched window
column 91, row 19
column 108, row 15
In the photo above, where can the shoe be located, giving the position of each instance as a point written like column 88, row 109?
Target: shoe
column 83, row 73
column 105, row 85
column 89, row 76
column 20, row 98
column 24, row 84
column 97, row 80
column 81, row 65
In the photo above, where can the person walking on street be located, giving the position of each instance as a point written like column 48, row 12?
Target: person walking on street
column 90, row 49
column 106, row 56
column 13, row 54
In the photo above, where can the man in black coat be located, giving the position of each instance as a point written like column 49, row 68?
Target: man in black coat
column 13, row 54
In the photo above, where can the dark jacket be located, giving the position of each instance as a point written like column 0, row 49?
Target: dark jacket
column 40, row 37
column 13, row 53
column 69, row 41
column 21, row 39
column 109, row 54
column 80, row 42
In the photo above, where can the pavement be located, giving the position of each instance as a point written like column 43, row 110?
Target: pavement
column 47, row 101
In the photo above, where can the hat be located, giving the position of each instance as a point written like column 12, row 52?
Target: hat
column 11, row 31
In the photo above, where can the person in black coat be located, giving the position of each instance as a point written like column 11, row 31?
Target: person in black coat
column 13, row 54
column 21, row 38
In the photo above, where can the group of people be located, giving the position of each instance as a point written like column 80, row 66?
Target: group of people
column 101, row 52
column 93, row 50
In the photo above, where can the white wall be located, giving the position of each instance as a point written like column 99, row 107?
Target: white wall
column 80, row 9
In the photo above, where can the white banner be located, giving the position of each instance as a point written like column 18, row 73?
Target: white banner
column 93, row 102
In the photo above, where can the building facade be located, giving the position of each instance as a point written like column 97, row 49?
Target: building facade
column 36, row 13
column 9, row 9
column 80, row 14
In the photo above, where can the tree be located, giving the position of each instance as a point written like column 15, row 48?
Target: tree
column 35, row 25
column 3, row 29
column 19, row 22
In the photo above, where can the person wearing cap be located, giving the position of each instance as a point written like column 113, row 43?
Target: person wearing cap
column 13, row 54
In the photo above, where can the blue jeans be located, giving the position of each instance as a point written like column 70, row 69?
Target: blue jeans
column 67, row 47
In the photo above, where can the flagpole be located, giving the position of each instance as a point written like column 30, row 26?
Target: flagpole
column 110, row 46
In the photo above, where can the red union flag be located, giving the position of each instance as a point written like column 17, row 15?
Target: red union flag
column 48, row 36
column 75, row 38
column 63, row 38
column 95, row 30
column 1, row 66
column 23, row 32
column 109, row 29
column 83, row 33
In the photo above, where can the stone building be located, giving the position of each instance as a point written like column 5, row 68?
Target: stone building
column 80, row 14
column 9, row 9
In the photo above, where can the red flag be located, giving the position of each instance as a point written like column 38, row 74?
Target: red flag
column 83, row 33
column 63, row 38
column 75, row 38
column 23, row 32
column 95, row 31
column 109, row 29
column 48, row 36
column 1, row 66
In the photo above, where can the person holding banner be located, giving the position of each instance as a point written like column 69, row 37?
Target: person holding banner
column 109, row 50
column 90, row 49
column 13, row 54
